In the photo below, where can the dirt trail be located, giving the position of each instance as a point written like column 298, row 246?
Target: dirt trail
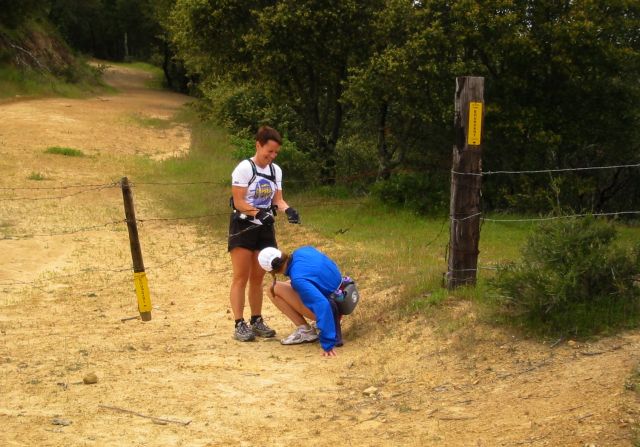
column 63, row 298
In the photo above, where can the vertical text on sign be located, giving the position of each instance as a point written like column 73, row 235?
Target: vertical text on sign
column 475, row 123
column 142, row 291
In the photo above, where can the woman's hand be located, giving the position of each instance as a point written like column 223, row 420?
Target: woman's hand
column 330, row 353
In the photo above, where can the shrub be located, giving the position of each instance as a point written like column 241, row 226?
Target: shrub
column 299, row 170
column 36, row 176
column 67, row 151
column 422, row 192
column 572, row 280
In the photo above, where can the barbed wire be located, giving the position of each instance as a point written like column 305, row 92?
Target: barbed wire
column 61, row 233
column 152, row 268
column 542, row 171
column 64, row 276
column 566, row 216
column 203, row 182
column 20, row 188
column 535, row 219
column 94, row 188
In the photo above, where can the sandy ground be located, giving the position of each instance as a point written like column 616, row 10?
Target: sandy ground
column 66, row 293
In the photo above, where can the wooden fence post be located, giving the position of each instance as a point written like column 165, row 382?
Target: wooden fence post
column 466, row 179
column 139, row 275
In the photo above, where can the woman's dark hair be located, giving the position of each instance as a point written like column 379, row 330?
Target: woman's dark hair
column 278, row 263
column 266, row 133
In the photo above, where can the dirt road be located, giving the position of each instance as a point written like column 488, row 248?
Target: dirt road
column 180, row 380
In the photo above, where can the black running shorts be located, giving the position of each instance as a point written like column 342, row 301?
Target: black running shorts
column 245, row 234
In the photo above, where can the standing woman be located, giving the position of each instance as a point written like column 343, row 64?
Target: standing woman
column 256, row 186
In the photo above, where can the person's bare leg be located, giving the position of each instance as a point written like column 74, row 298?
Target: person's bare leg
column 292, row 305
column 256, row 276
column 289, row 311
column 241, row 260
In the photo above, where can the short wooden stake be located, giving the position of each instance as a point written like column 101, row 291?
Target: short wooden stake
column 139, row 275
column 466, row 179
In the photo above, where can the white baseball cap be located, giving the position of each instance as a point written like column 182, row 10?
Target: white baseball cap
column 266, row 257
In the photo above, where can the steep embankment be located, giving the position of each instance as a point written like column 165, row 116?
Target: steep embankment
column 35, row 61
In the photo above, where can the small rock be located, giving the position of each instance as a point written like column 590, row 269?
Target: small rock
column 90, row 378
column 60, row 421
column 372, row 390
column 572, row 343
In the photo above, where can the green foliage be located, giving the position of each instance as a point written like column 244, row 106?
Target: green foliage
column 36, row 176
column 422, row 192
column 243, row 108
column 572, row 280
column 299, row 170
column 66, row 151
column 297, row 52
column 98, row 27
column 15, row 13
column 149, row 121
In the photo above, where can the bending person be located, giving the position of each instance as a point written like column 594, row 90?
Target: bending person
column 314, row 277
column 256, row 185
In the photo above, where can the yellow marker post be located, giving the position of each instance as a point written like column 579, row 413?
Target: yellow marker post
column 475, row 124
column 142, row 292
column 139, row 275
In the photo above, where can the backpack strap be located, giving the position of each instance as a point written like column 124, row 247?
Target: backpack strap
column 271, row 177
column 255, row 171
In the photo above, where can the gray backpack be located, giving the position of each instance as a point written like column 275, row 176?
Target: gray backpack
column 346, row 296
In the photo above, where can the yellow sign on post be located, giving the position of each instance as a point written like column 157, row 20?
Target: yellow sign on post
column 475, row 123
column 142, row 291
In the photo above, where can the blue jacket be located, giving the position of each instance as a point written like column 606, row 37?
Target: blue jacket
column 314, row 276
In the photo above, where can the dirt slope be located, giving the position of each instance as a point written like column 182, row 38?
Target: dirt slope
column 63, row 298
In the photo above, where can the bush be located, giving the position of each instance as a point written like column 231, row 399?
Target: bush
column 422, row 192
column 66, row 151
column 299, row 170
column 572, row 280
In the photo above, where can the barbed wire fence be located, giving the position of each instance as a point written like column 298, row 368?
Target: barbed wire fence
column 74, row 190
column 483, row 218
column 115, row 275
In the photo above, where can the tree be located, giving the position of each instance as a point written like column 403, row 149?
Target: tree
column 563, row 91
column 13, row 13
column 109, row 29
column 298, row 52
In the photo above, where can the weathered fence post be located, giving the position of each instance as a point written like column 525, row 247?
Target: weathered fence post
column 139, row 275
column 466, row 179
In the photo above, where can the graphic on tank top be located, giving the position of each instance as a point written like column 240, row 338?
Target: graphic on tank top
column 263, row 193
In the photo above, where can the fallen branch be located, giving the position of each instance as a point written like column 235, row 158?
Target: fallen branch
column 614, row 348
column 369, row 419
column 581, row 418
column 156, row 420
column 456, row 418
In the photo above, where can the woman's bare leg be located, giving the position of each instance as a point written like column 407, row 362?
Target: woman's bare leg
column 286, row 299
column 256, row 275
column 242, row 261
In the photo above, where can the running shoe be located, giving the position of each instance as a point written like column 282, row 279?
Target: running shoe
column 261, row 329
column 243, row 332
column 302, row 334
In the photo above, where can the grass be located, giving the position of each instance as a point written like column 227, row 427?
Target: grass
column 18, row 84
column 66, row 151
column 378, row 245
column 36, row 176
column 156, row 80
column 382, row 247
column 151, row 122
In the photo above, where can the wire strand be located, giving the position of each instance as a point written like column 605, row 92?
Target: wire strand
column 541, row 171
